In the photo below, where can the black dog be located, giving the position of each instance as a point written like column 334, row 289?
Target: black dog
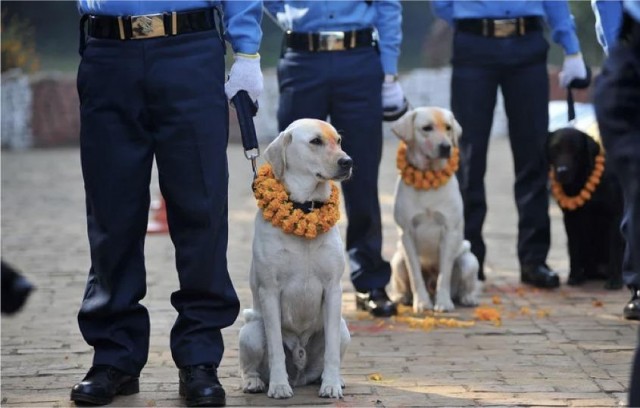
column 596, row 244
column 15, row 289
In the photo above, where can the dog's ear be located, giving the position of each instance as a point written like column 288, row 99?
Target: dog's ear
column 456, row 131
column 403, row 127
column 593, row 148
column 275, row 154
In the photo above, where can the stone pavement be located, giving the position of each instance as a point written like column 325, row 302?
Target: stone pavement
column 567, row 347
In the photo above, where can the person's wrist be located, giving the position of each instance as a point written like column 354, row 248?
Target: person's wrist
column 390, row 78
column 247, row 56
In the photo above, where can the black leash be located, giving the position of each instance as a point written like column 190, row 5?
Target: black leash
column 246, row 110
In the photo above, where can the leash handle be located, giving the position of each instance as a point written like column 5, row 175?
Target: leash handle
column 571, row 109
column 246, row 110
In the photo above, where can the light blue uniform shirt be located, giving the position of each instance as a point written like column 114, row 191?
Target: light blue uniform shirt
column 556, row 13
column 241, row 17
column 313, row 16
column 609, row 19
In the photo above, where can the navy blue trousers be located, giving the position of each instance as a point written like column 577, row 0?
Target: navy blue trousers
column 139, row 99
column 517, row 66
column 347, row 87
column 617, row 102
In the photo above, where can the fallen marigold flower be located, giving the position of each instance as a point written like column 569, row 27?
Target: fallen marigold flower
column 495, row 299
column 375, row 377
column 597, row 303
column 487, row 313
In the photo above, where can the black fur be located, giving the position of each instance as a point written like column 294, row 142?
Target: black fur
column 595, row 242
column 15, row 289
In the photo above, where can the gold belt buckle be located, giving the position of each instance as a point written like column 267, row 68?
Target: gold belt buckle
column 504, row 28
column 147, row 26
column 331, row 41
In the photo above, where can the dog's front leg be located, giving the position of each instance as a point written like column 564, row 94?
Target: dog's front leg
column 448, row 253
column 278, row 380
column 331, row 383
column 421, row 299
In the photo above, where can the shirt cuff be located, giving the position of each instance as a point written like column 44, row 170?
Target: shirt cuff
column 245, row 47
column 389, row 65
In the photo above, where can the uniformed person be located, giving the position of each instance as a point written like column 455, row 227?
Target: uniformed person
column 617, row 103
column 152, row 84
column 501, row 44
column 340, row 61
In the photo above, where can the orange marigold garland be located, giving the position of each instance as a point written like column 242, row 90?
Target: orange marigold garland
column 577, row 201
column 276, row 207
column 429, row 179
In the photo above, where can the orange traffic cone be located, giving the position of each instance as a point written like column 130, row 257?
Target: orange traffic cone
column 158, row 222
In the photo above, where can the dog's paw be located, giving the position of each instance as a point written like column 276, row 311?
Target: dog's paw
column 331, row 389
column 444, row 303
column 469, row 299
column 253, row 385
column 279, row 391
column 422, row 305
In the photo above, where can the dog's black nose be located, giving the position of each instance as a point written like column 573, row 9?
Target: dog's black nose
column 444, row 150
column 345, row 163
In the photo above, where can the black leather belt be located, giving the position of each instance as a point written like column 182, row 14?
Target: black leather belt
column 500, row 28
column 151, row 25
column 329, row 40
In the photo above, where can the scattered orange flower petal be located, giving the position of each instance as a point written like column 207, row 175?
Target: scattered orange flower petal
column 525, row 311
column 541, row 313
column 375, row 377
column 487, row 313
column 496, row 300
column 520, row 291
column 597, row 303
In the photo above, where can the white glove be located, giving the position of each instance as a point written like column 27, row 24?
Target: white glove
column 392, row 96
column 573, row 67
column 245, row 74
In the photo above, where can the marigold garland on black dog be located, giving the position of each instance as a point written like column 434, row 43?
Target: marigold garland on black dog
column 278, row 209
column 580, row 199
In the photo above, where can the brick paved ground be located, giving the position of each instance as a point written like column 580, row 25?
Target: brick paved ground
column 567, row 347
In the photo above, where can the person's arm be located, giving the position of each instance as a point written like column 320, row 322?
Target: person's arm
column 563, row 29
column 563, row 32
column 242, row 22
column 388, row 22
column 443, row 9
column 608, row 20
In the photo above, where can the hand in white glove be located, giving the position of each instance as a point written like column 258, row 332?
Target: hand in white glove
column 572, row 68
column 245, row 74
column 392, row 96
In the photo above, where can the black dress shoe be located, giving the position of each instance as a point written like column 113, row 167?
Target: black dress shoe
column 200, row 387
column 539, row 275
column 102, row 383
column 632, row 308
column 376, row 302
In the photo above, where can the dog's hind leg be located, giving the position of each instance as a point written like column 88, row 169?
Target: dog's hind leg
column 466, row 267
column 400, row 287
column 252, row 353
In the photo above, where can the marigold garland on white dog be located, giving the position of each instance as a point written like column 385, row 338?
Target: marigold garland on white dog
column 580, row 199
column 278, row 209
column 429, row 179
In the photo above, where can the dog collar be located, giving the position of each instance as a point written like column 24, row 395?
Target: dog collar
column 307, row 206
column 429, row 179
column 306, row 219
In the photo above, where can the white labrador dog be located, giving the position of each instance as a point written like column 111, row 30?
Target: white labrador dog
column 295, row 333
column 431, row 222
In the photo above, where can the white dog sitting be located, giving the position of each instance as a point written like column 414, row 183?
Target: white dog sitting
column 429, row 213
column 295, row 333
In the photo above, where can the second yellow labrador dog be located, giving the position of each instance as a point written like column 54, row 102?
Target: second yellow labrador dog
column 431, row 248
column 295, row 333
